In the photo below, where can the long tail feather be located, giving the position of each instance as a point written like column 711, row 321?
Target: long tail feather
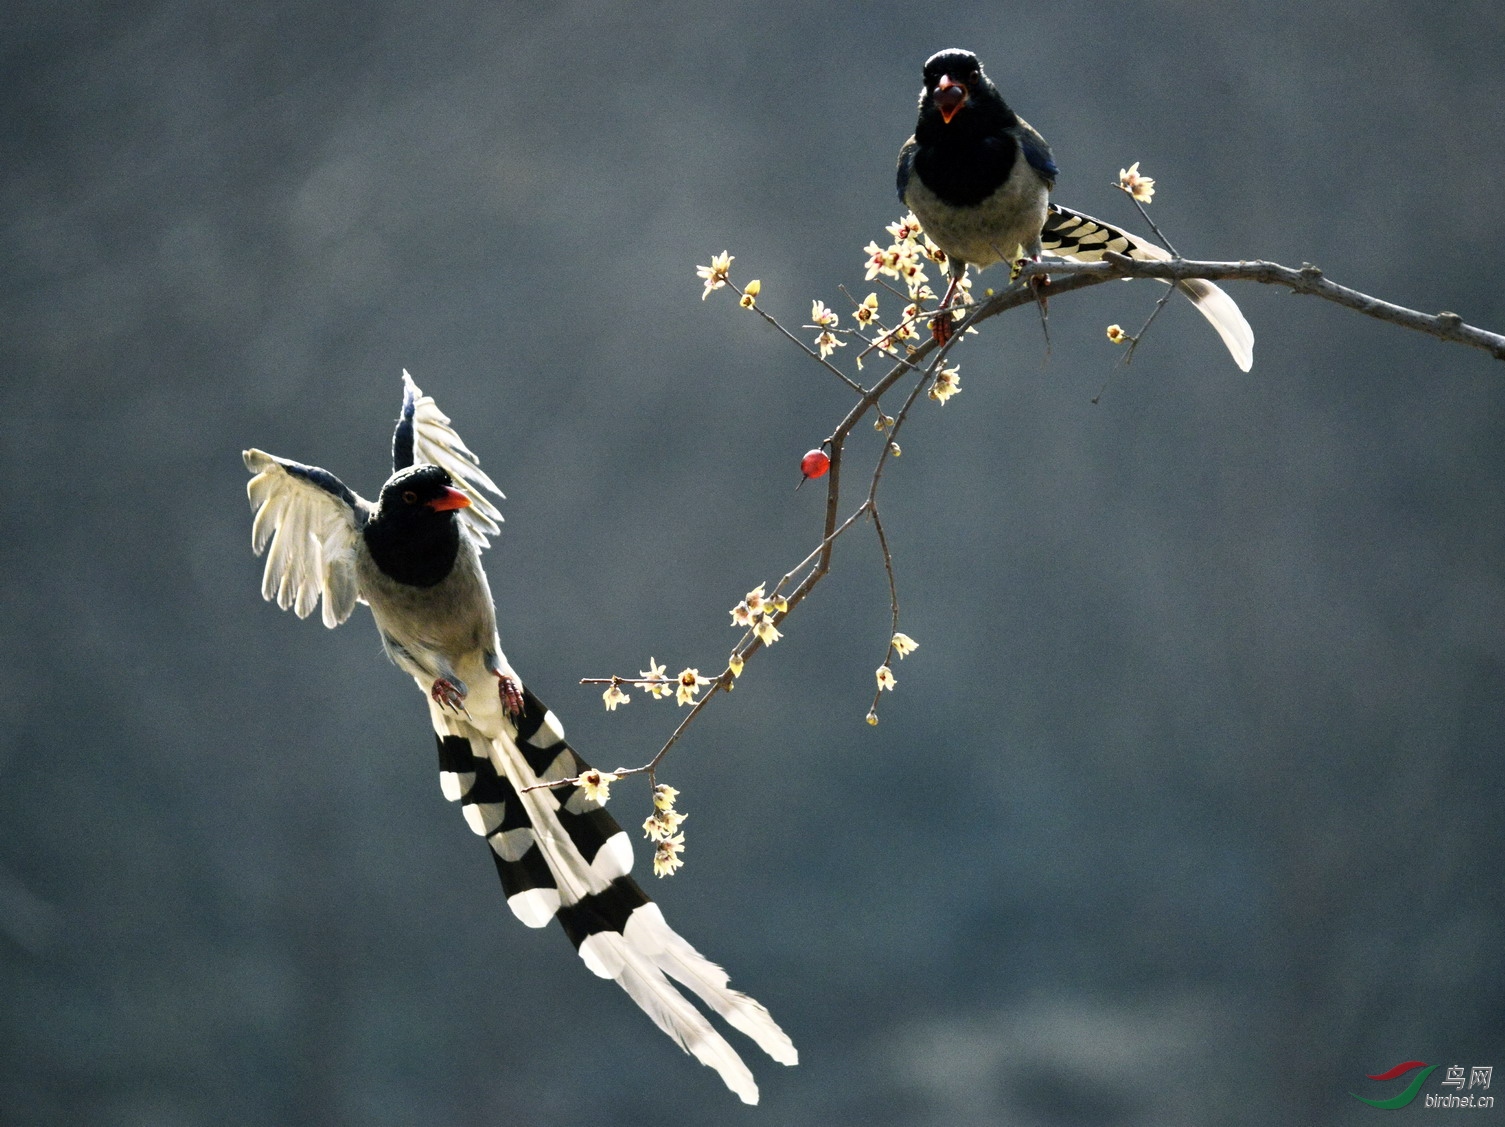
column 561, row 856
column 1071, row 234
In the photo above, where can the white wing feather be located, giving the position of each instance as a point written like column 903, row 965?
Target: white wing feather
column 435, row 442
column 309, row 537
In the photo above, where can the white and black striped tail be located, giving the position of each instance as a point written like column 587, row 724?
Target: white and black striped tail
column 560, row 855
column 1071, row 234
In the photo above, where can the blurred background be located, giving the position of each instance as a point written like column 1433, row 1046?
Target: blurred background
column 1186, row 811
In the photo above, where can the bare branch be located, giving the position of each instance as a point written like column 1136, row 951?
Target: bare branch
column 1308, row 280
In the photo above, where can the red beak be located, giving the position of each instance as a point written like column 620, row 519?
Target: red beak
column 449, row 499
column 949, row 97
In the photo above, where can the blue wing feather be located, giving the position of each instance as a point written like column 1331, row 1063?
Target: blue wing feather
column 906, row 165
column 1037, row 153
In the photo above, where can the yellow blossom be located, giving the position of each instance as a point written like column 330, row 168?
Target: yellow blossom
column 754, row 600
column 872, row 717
column 766, row 632
column 913, row 273
column 827, row 344
column 947, row 383
column 690, row 682
column 666, row 857
column 881, row 260
column 1116, row 334
column 664, row 796
column 735, row 665
column 1142, row 188
column 822, row 316
column 663, row 824
column 658, row 684
column 904, row 645
column 614, row 696
column 865, row 312
column 886, row 678
column 596, row 784
column 750, row 294
column 716, row 273
column 905, row 230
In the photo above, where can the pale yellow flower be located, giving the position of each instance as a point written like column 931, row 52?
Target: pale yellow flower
column 735, row 665
column 881, row 260
column 886, row 678
column 614, row 696
column 664, row 796
column 865, row 312
column 766, row 632
column 1142, row 188
column 666, row 857
column 663, row 824
column 1116, row 334
column 905, row 230
column 947, row 383
column 716, row 273
column 904, row 645
column 690, row 682
column 597, row 784
column 659, row 685
column 827, row 343
column 822, row 316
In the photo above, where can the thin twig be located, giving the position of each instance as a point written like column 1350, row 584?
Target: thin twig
column 801, row 345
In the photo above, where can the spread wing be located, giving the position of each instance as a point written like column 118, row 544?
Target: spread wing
column 423, row 434
column 307, row 522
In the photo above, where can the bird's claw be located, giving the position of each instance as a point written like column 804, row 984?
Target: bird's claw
column 512, row 695
column 1040, row 285
column 942, row 328
column 447, row 695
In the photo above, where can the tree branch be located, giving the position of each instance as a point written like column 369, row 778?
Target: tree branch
column 1307, row 280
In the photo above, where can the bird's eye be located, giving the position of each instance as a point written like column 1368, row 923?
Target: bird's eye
column 410, row 497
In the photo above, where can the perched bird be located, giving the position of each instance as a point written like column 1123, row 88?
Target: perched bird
column 978, row 178
column 414, row 558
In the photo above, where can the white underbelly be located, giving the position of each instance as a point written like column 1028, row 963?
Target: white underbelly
column 988, row 232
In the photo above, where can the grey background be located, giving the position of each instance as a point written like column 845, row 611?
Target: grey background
column 1186, row 811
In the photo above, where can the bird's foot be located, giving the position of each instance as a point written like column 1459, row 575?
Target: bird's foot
column 1040, row 284
column 447, row 694
column 512, row 695
column 943, row 325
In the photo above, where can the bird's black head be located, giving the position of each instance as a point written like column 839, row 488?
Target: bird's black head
column 413, row 535
column 958, row 94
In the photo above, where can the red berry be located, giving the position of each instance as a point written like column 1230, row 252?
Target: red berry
column 815, row 463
